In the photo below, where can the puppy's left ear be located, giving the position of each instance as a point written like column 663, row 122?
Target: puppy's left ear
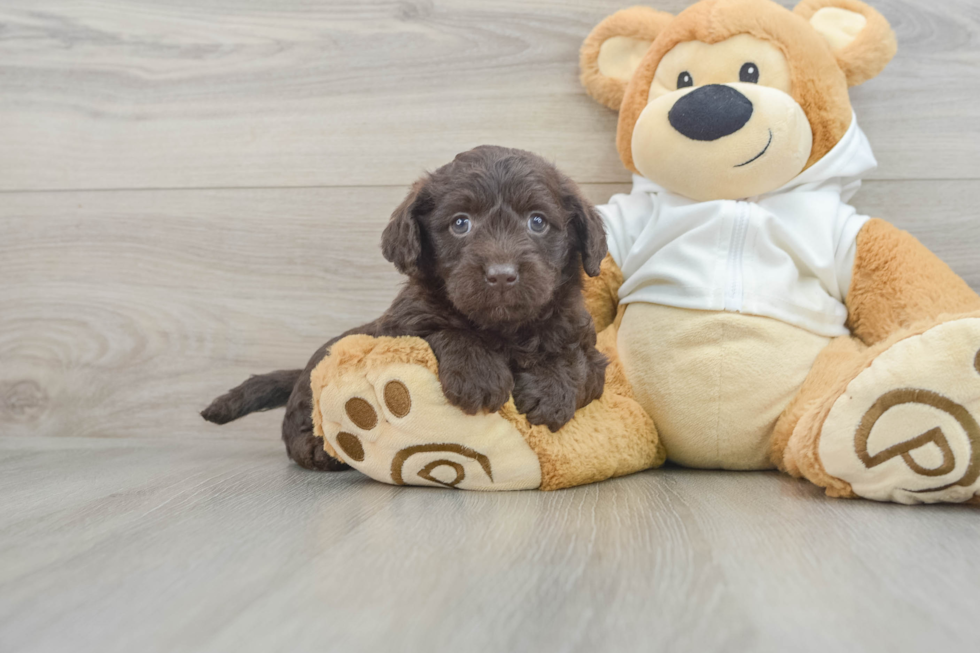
column 401, row 241
column 859, row 36
column 588, row 227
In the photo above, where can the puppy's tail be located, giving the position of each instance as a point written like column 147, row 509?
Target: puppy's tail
column 262, row 392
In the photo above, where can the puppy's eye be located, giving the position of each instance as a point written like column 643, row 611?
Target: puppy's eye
column 536, row 224
column 684, row 80
column 461, row 224
column 749, row 74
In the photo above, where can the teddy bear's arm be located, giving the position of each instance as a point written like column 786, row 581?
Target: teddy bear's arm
column 897, row 282
column 601, row 293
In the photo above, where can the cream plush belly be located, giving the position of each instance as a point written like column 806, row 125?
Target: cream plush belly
column 715, row 382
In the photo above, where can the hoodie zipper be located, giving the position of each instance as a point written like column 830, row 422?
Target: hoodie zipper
column 736, row 250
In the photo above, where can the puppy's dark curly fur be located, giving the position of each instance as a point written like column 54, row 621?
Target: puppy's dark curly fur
column 493, row 245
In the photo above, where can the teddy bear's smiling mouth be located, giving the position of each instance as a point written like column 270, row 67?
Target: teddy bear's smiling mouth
column 764, row 150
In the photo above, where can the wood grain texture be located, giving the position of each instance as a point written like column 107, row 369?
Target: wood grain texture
column 123, row 313
column 175, row 94
column 153, row 546
column 127, row 523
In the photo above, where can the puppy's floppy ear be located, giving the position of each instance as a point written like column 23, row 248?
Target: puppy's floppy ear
column 587, row 222
column 860, row 37
column 401, row 242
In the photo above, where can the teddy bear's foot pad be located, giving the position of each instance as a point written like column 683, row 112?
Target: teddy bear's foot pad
column 906, row 429
column 386, row 416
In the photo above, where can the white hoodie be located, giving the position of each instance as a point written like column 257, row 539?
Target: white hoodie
column 786, row 254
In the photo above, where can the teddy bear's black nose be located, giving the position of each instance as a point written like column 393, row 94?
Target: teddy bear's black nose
column 710, row 112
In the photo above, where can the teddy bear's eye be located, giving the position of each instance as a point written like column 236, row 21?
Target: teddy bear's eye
column 684, row 80
column 749, row 73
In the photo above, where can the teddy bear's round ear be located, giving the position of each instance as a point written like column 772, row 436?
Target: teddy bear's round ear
column 861, row 38
column 611, row 53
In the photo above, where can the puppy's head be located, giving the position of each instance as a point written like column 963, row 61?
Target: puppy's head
column 500, row 230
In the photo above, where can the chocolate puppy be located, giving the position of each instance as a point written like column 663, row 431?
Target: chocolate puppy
column 493, row 245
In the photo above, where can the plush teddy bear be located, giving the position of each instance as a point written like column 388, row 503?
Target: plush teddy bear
column 753, row 318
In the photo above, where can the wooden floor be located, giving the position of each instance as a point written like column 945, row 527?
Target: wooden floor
column 191, row 192
column 159, row 545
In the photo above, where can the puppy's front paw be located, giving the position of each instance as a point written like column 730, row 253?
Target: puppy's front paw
column 476, row 385
column 544, row 401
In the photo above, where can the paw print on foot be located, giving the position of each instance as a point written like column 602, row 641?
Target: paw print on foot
column 907, row 429
column 398, row 401
column 390, row 420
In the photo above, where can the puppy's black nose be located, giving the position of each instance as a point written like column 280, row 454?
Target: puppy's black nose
column 502, row 276
column 710, row 112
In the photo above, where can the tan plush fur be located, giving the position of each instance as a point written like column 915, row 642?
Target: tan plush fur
column 820, row 76
column 819, row 84
column 899, row 289
column 641, row 23
column 713, row 380
column 795, row 447
column 871, row 51
column 898, row 283
column 601, row 293
column 836, row 365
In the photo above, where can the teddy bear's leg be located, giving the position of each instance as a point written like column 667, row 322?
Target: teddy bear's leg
column 892, row 413
column 793, row 446
column 897, row 421
column 379, row 406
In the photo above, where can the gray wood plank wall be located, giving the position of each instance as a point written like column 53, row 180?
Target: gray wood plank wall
column 192, row 192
